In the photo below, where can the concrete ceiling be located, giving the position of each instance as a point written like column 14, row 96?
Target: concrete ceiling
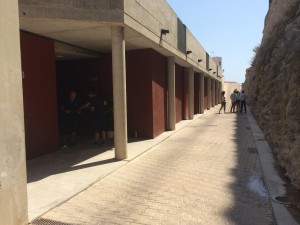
column 76, row 39
column 86, row 35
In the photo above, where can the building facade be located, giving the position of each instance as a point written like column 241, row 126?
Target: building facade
column 139, row 53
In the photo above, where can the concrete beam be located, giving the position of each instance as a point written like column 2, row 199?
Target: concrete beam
column 119, row 92
column 91, row 10
column 13, row 192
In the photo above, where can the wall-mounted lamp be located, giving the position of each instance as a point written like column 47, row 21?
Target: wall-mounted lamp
column 188, row 52
column 164, row 31
column 210, row 69
column 199, row 60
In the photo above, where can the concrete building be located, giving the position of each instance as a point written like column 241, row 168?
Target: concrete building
column 138, row 52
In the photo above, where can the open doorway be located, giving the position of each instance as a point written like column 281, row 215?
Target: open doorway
column 82, row 76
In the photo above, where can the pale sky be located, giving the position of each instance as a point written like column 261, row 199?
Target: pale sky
column 226, row 28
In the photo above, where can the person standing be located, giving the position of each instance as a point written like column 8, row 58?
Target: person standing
column 71, row 111
column 238, row 101
column 243, row 98
column 223, row 102
column 233, row 101
column 97, row 105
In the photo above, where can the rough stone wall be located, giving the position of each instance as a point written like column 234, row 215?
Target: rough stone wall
column 273, row 85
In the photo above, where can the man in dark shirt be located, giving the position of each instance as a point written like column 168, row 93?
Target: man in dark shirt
column 71, row 110
column 97, row 105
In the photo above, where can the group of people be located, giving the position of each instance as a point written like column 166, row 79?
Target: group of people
column 238, row 101
column 72, row 109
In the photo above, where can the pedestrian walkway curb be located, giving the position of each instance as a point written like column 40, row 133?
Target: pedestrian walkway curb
column 274, row 183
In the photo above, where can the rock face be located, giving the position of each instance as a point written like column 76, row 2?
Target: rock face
column 273, row 84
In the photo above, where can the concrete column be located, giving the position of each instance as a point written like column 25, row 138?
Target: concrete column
column 209, row 93
column 217, row 93
column 171, row 94
column 13, row 181
column 119, row 92
column 213, row 93
column 191, row 92
column 201, row 88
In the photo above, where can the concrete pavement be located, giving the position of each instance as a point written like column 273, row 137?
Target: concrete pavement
column 56, row 177
column 207, row 173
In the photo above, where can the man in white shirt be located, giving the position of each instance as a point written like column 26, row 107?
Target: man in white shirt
column 243, row 98
column 233, row 102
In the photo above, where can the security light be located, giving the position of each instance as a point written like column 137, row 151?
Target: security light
column 164, row 31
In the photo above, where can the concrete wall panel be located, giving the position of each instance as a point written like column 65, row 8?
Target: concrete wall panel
column 94, row 10
column 139, row 106
column 159, row 93
column 40, row 99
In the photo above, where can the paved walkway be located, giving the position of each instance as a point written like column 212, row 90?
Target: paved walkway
column 207, row 173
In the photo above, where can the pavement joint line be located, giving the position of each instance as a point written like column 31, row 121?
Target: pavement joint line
column 274, row 183
column 126, row 161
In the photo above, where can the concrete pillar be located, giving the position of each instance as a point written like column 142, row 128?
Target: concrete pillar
column 201, row 89
column 171, row 94
column 217, row 93
column 213, row 92
column 13, row 181
column 119, row 92
column 191, row 92
column 208, row 93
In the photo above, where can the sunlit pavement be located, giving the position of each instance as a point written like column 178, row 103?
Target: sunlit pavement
column 207, row 173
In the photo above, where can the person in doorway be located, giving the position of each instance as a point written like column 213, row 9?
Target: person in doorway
column 233, row 101
column 71, row 111
column 223, row 102
column 97, row 105
column 243, row 98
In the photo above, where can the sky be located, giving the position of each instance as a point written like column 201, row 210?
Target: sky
column 226, row 28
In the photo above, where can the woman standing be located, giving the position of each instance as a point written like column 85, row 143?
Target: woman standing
column 223, row 100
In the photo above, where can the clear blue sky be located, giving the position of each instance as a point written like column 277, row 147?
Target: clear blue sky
column 226, row 28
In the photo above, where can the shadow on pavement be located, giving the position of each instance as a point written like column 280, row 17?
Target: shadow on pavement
column 66, row 160
column 251, row 202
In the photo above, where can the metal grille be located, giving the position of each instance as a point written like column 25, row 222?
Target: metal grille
column 252, row 150
column 42, row 221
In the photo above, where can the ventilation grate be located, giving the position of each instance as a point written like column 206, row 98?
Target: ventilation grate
column 42, row 221
column 252, row 150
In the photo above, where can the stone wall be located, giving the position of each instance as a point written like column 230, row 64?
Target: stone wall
column 273, row 82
